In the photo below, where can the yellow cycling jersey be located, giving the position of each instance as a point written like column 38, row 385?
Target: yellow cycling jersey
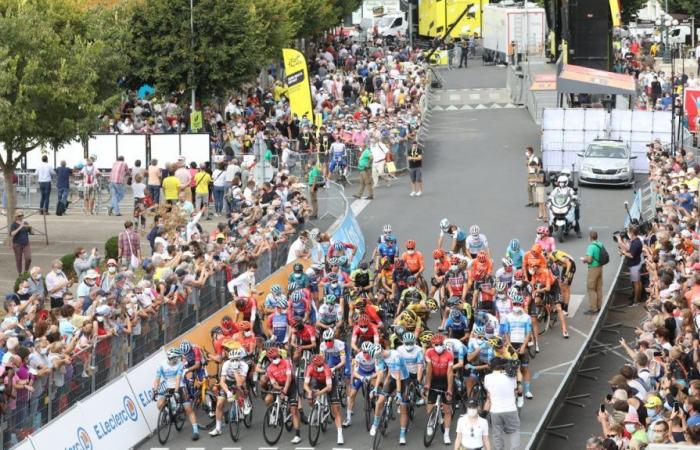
column 560, row 257
column 422, row 311
column 263, row 355
column 401, row 323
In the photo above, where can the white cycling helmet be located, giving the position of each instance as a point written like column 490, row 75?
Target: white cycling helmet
column 238, row 353
column 387, row 229
column 444, row 224
column 562, row 181
column 328, row 335
column 474, row 230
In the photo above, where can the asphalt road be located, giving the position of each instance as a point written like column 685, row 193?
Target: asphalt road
column 474, row 173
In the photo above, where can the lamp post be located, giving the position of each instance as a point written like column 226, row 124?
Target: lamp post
column 665, row 23
column 192, row 49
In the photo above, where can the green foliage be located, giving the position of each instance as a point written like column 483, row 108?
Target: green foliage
column 20, row 278
column 690, row 7
column 630, row 9
column 112, row 248
column 68, row 261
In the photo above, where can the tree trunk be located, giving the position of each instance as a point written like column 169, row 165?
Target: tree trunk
column 7, row 173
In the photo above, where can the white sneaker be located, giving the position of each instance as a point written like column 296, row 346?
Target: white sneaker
column 529, row 395
column 418, row 194
column 413, row 193
column 537, row 347
column 340, row 439
column 446, row 438
column 296, row 439
column 347, row 422
column 373, row 430
column 246, row 407
column 420, row 402
column 520, row 401
column 402, row 439
column 215, row 432
column 565, row 334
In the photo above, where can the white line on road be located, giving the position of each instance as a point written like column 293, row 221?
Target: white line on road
column 267, row 448
column 230, row 448
column 357, row 206
column 555, row 367
column 575, row 302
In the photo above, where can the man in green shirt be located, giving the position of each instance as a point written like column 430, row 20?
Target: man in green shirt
column 365, row 168
column 314, row 181
column 594, row 277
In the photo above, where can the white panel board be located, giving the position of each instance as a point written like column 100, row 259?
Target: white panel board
column 552, row 140
column 195, row 147
column 141, row 381
column 165, row 148
column 104, row 146
column 594, row 119
column 642, row 120
column 574, row 119
column 573, row 135
column 34, row 157
column 661, row 122
column 132, row 147
column 553, row 119
column 621, row 120
column 553, row 160
column 72, row 153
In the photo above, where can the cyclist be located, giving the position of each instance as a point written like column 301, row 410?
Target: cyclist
column 339, row 249
column 440, row 376
column 505, row 273
column 440, row 267
column 365, row 330
column 363, row 367
column 298, row 276
column 338, row 158
column 503, row 300
column 361, row 278
column 277, row 323
column 279, row 375
column 386, row 249
column 409, row 321
column 330, row 315
column 411, row 294
column 228, row 327
column 532, row 259
column 546, row 287
column 413, row 358
column 398, row 279
column 479, row 355
column 518, row 333
column 548, row 243
column 303, row 338
column 271, row 299
column 515, row 253
column 300, row 307
column 455, row 281
column 386, row 232
column 318, row 380
column 383, row 280
column 458, row 236
column 414, row 262
column 566, row 272
column 477, row 242
column 245, row 308
column 195, row 363
column 232, row 379
column 170, row 373
column 393, row 376
column 245, row 338
column 457, row 326
column 363, row 306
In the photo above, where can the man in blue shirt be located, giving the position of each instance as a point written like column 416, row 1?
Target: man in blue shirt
column 63, row 174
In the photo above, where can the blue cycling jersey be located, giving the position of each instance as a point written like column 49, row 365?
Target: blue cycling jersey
column 387, row 250
column 516, row 257
column 337, row 290
column 168, row 374
column 458, row 327
column 394, row 364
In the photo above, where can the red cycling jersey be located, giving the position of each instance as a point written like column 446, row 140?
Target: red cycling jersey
column 364, row 335
column 323, row 376
column 440, row 362
column 279, row 372
column 306, row 334
column 456, row 281
column 247, row 310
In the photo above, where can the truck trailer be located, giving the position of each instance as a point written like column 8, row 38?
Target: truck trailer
column 510, row 29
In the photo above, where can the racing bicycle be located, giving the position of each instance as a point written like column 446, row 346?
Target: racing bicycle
column 172, row 413
column 276, row 417
column 435, row 418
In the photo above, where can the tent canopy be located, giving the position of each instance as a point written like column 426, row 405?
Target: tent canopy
column 582, row 80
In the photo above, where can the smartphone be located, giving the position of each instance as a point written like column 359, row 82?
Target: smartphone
column 676, row 406
column 602, row 408
column 608, row 397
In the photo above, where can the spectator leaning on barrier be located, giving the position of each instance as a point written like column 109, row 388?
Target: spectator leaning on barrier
column 43, row 174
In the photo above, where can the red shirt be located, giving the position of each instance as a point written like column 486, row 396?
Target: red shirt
column 248, row 343
column 279, row 372
column 306, row 334
column 247, row 309
column 365, row 336
column 321, row 377
column 440, row 362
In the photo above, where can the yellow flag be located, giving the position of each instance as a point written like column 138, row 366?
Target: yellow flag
column 297, row 80
column 196, row 121
column 615, row 13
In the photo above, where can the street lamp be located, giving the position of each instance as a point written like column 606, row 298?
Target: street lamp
column 665, row 23
column 192, row 49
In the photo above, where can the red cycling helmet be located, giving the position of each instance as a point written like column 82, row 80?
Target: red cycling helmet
column 482, row 257
column 543, row 231
column 437, row 339
column 244, row 325
column 318, row 360
column 519, row 274
column 363, row 321
column 273, row 353
column 226, row 324
column 410, row 244
column 438, row 254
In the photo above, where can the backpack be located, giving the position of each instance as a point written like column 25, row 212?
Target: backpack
column 604, row 255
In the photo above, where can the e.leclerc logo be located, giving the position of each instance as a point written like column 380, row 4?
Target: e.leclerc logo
column 104, row 427
column 84, row 442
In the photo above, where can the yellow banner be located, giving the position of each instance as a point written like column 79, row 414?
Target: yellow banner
column 615, row 13
column 297, row 80
column 196, row 121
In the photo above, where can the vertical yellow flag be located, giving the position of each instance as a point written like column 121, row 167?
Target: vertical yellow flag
column 297, row 80
column 196, row 121
column 615, row 13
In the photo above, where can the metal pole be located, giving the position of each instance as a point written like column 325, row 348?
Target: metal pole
column 673, row 100
column 192, row 48
column 527, row 33
column 410, row 25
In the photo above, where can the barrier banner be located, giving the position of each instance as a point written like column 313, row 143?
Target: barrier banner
column 109, row 420
column 349, row 231
column 24, row 445
column 297, row 79
column 140, row 379
column 692, row 105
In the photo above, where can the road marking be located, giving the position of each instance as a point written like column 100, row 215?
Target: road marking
column 267, row 448
column 575, row 302
column 303, row 448
column 555, row 367
column 537, row 375
column 160, row 448
column 195, row 448
column 357, row 206
column 576, row 330
column 230, row 448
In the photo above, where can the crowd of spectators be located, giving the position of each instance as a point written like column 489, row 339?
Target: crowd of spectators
column 655, row 397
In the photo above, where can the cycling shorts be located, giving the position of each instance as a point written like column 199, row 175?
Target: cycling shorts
column 390, row 387
column 357, row 383
column 292, row 392
column 524, row 358
column 567, row 275
column 185, row 396
column 439, row 383
column 317, row 385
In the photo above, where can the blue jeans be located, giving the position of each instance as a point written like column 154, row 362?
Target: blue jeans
column 154, row 191
column 62, row 195
column 45, row 189
column 116, row 191
column 219, row 199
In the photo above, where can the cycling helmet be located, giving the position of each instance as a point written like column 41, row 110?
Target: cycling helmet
column 244, row 325
column 399, row 263
column 481, row 316
column 411, row 280
column 512, row 292
column 478, row 330
column 536, row 249
column 185, row 347
column 444, row 225
column 375, row 351
column 276, row 290
column 273, row 353
column 292, row 286
column 425, row 337
column 408, row 338
column 333, row 277
column 514, row 245
column 330, row 299
column 517, row 299
column 562, row 181
column 437, row 339
column 215, row 330
column 453, row 300
column 410, row 244
column 501, row 286
column 338, row 246
column 364, row 265
column 482, row 257
column 360, row 303
column 519, row 275
column 333, row 261
column 342, row 260
column 474, row 230
column 363, row 321
column 226, row 324
column 496, row 342
column 328, row 335
column 386, row 229
column 390, row 238
column 408, row 320
column 438, row 254
column 456, row 315
column 317, row 361
column 298, row 268
column 238, row 353
column 543, row 231
column 173, row 353
column 298, row 324
column 282, row 303
column 461, row 235
column 455, row 261
column 507, row 262
column 297, row 296
column 317, row 267
column 270, row 343
column 432, row 304
column 366, row 345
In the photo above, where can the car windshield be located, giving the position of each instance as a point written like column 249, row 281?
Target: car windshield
column 606, row 151
column 385, row 22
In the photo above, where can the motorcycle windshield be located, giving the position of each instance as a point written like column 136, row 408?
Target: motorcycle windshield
column 560, row 200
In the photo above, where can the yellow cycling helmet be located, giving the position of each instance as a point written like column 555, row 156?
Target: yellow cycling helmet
column 410, row 314
column 432, row 304
column 425, row 337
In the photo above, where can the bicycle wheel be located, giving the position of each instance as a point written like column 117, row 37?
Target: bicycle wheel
column 164, row 425
column 378, row 437
column 272, row 429
column 288, row 418
column 369, row 408
column 234, row 423
column 342, row 394
column 430, row 425
column 248, row 418
column 531, row 350
column 325, row 416
column 314, row 425
column 543, row 319
column 179, row 417
column 477, row 394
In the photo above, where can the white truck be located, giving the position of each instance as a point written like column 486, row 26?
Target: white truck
column 506, row 26
column 383, row 16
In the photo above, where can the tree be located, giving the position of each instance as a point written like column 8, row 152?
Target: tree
column 57, row 74
column 630, row 8
column 690, row 7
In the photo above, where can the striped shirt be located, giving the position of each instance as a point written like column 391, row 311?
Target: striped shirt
column 129, row 242
column 119, row 170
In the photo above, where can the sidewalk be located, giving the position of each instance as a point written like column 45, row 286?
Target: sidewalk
column 691, row 66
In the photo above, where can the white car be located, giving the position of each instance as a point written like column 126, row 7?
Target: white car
column 607, row 162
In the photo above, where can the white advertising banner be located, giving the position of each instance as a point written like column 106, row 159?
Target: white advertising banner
column 141, row 380
column 108, row 420
column 24, row 445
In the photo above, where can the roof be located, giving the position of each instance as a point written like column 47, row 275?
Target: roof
column 583, row 80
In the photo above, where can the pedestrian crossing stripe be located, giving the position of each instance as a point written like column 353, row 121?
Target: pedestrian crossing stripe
column 479, row 106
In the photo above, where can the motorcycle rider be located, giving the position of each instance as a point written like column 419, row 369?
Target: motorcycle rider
column 577, row 207
column 563, row 188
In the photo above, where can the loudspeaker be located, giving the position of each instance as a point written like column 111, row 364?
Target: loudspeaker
column 590, row 25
